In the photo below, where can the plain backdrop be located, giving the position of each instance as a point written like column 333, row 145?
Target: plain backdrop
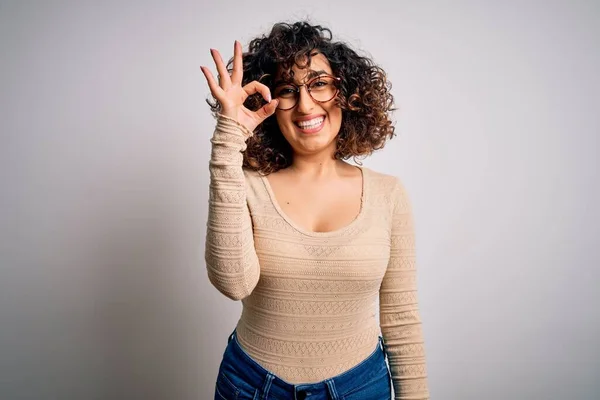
column 104, row 167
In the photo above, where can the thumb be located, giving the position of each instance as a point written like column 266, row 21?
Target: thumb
column 267, row 110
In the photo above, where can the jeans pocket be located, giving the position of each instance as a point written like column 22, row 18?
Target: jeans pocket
column 225, row 389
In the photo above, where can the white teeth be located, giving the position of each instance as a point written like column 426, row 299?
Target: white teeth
column 313, row 123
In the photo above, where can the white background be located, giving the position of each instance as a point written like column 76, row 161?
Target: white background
column 104, row 167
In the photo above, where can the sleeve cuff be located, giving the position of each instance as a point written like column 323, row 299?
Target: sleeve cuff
column 231, row 122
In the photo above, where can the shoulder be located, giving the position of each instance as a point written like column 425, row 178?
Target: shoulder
column 388, row 186
column 384, row 182
column 255, row 187
column 250, row 173
column 380, row 178
column 252, row 177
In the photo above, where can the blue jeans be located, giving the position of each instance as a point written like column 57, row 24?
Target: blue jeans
column 241, row 378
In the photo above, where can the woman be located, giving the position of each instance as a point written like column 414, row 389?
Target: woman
column 308, row 242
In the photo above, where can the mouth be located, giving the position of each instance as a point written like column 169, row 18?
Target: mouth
column 313, row 125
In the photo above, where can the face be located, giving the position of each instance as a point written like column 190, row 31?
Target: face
column 311, row 127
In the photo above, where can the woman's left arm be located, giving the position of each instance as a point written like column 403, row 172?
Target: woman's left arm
column 399, row 312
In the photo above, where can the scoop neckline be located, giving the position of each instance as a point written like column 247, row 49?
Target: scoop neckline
column 306, row 232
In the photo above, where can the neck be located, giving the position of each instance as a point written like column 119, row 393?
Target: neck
column 319, row 165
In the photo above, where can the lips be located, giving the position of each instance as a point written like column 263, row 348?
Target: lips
column 312, row 125
column 309, row 121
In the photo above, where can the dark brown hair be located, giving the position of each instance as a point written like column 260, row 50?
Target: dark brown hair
column 364, row 95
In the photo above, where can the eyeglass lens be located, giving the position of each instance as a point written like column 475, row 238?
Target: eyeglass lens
column 321, row 89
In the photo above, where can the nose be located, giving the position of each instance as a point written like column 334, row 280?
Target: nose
column 305, row 102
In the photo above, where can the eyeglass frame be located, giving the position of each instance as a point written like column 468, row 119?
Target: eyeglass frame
column 336, row 80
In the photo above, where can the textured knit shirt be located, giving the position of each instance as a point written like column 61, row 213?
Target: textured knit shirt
column 310, row 298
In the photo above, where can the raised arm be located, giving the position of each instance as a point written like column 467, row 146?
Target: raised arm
column 231, row 260
column 399, row 311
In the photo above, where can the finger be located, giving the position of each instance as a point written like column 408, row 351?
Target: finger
column 257, row 87
column 267, row 110
column 224, row 80
column 212, row 83
column 236, row 76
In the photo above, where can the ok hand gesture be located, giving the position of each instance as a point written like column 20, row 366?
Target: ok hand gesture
column 231, row 95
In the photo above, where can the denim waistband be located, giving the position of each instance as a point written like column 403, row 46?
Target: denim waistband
column 276, row 387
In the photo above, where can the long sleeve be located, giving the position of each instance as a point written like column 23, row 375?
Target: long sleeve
column 399, row 312
column 231, row 260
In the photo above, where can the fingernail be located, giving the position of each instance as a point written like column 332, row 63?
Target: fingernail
column 269, row 98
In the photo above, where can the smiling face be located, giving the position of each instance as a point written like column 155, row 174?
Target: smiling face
column 311, row 127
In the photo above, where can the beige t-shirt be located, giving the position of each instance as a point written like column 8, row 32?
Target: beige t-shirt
column 310, row 298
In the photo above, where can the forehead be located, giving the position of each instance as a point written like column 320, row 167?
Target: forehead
column 318, row 62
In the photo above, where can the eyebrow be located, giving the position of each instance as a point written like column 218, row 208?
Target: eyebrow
column 311, row 74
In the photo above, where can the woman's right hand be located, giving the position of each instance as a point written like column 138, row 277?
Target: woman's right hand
column 231, row 95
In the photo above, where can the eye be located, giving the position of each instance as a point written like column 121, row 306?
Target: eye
column 321, row 84
column 286, row 91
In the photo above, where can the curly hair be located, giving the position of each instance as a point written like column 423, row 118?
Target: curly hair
column 364, row 94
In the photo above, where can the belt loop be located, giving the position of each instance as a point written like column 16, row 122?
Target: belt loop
column 332, row 391
column 382, row 344
column 267, row 385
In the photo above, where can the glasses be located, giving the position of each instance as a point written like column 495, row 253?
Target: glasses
column 321, row 89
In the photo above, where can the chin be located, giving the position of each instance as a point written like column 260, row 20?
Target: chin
column 313, row 143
